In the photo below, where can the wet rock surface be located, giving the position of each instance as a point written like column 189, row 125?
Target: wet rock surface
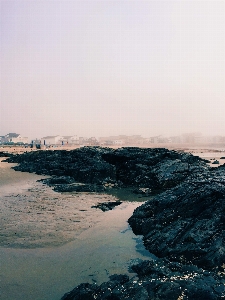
column 156, row 279
column 140, row 168
column 186, row 223
column 107, row 205
column 182, row 224
column 5, row 154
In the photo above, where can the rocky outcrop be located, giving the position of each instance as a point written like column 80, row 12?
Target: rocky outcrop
column 106, row 206
column 79, row 188
column 183, row 224
column 5, row 154
column 184, row 227
column 84, row 165
column 156, row 279
column 151, row 170
column 186, row 224
column 68, row 184
column 88, row 291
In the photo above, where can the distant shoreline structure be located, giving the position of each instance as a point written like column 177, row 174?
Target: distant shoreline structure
column 159, row 141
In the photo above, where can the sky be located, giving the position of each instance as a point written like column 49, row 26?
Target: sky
column 100, row 68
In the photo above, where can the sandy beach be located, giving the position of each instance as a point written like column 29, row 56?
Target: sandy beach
column 58, row 240
column 211, row 155
column 50, row 242
column 33, row 215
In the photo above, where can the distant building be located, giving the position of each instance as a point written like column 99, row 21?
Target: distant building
column 70, row 140
column 191, row 138
column 74, row 140
column 83, row 141
column 154, row 139
column 3, row 139
column 16, row 138
column 135, row 139
column 92, row 141
column 107, row 143
column 36, row 142
column 52, row 140
column 112, row 138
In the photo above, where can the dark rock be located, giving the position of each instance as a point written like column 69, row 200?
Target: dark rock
column 186, row 223
column 57, row 180
column 215, row 162
column 145, row 192
column 84, row 165
column 157, row 279
column 107, row 205
column 150, row 169
column 86, row 291
column 183, row 225
column 79, row 187
column 5, row 154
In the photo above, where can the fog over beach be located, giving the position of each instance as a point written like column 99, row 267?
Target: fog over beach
column 100, row 68
column 112, row 149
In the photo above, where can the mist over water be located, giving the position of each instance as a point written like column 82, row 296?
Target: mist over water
column 100, row 68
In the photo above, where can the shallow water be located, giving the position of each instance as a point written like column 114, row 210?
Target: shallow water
column 107, row 248
column 211, row 156
column 101, row 243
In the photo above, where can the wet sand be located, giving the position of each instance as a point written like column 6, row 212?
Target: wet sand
column 33, row 215
column 211, row 155
column 51, row 242
column 107, row 248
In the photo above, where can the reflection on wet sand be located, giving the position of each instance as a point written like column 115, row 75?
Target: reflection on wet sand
column 51, row 242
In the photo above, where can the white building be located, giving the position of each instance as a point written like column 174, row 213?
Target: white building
column 71, row 140
column 16, row 138
column 52, row 140
column 74, row 140
column 60, row 140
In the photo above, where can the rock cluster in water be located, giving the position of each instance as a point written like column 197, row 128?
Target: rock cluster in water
column 183, row 224
column 105, row 206
column 158, row 279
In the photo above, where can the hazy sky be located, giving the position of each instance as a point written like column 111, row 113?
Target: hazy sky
column 97, row 68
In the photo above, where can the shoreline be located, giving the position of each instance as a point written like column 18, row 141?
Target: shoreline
column 184, row 164
column 49, row 272
column 43, row 270
column 44, row 217
column 42, row 203
column 179, row 146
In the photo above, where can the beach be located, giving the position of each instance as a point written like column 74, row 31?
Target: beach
column 33, row 215
column 51, row 242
